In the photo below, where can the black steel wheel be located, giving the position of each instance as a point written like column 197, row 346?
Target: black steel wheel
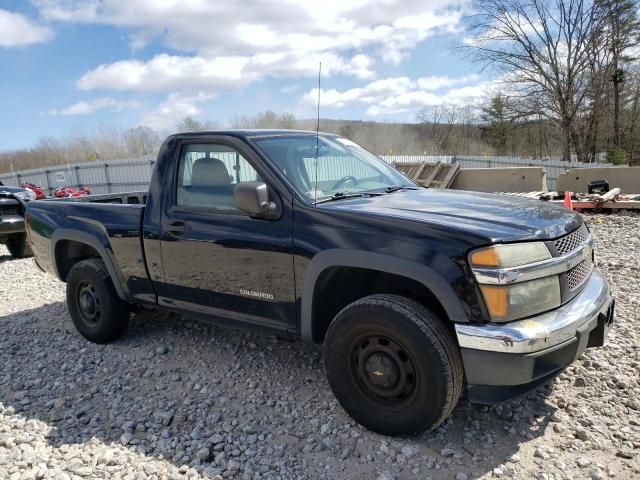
column 393, row 365
column 90, row 309
column 383, row 370
column 96, row 310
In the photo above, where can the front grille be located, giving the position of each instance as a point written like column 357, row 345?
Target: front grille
column 579, row 274
column 9, row 210
column 570, row 242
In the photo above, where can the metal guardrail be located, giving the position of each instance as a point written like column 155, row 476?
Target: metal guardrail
column 113, row 176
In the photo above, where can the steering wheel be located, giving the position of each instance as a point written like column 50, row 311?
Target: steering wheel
column 344, row 180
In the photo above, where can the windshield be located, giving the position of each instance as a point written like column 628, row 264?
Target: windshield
column 342, row 167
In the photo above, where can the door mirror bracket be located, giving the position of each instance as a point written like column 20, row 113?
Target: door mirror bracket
column 253, row 199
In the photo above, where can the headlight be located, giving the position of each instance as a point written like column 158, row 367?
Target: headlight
column 26, row 195
column 506, row 296
column 519, row 300
column 510, row 255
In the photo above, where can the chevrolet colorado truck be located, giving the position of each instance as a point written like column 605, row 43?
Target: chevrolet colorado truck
column 12, row 207
column 416, row 294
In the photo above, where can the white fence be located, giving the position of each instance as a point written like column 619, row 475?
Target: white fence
column 117, row 176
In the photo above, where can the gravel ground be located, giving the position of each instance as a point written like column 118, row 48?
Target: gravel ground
column 178, row 399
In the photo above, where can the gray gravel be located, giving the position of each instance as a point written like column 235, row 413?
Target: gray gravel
column 179, row 399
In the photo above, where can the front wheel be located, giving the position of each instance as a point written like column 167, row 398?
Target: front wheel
column 393, row 365
column 18, row 245
column 96, row 310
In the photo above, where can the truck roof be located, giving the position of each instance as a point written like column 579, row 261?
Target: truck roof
column 249, row 132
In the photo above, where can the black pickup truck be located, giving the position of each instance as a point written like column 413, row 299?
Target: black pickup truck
column 12, row 206
column 416, row 294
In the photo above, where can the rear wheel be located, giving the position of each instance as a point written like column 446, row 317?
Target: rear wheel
column 393, row 365
column 18, row 245
column 96, row 310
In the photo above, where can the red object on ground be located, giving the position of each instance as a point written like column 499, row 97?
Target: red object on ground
column 567, row 200
column 35, row 189
column 68, row 192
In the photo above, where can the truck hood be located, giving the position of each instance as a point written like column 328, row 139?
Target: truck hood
column 496, row 218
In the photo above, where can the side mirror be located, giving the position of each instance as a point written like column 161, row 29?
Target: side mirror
column 253, row 199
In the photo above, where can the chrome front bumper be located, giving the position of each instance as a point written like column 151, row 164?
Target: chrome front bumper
column 11, row 224
column 543, row 331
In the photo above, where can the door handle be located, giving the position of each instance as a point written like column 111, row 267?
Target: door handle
column 176, row 229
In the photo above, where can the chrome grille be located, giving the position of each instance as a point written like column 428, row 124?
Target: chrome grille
column 9, row 210
column 570, row 242
column 579, row 274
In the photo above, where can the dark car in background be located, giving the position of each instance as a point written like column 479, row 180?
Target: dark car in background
column 12, row 209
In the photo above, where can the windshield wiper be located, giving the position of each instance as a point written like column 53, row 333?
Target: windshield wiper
column 345, row 195
column 340, row 196
column 395, row 188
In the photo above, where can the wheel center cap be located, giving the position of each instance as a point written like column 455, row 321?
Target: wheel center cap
column 87, row 302
column 382, row 370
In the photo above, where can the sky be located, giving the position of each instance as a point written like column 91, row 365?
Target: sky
column 71, row 65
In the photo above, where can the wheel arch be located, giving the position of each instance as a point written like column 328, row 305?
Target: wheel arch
column 312, row 327
column 72, row 246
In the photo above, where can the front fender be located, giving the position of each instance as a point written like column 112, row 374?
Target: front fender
column 425, row 275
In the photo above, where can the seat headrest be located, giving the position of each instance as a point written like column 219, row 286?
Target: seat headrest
column 209, row 172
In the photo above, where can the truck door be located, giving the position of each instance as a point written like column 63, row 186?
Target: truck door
column 217, row 260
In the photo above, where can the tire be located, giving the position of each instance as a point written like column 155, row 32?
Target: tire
column 393, row 365
column 18, row 245
column 96, row 310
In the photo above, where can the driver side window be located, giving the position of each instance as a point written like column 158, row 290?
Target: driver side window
column 208, row 174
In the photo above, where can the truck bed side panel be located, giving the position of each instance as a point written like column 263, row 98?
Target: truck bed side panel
column 112, row 230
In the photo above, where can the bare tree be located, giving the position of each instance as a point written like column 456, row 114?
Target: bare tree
column 623, row 27
column 287, row 120
column 633, row 135
column 141, row 141
column 544, row 48
column 242, row 121
column 439, row 122
column 190, row 124
column 266, row 119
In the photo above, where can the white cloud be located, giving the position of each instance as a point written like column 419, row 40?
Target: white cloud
column 171, row 72
column 167, row 72
column 290, row 88
column 436, row 83
column 17, row 30
column 87, row 107
column 222, row 27
column 633, row 51
column 296, row 63
column 399, row 94
column 174, row 108
column 227, row 46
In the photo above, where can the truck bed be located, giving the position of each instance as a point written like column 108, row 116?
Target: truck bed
column 129, row 198
column 110, row 224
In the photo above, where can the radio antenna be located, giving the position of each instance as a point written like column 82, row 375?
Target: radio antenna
column 315, row 191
